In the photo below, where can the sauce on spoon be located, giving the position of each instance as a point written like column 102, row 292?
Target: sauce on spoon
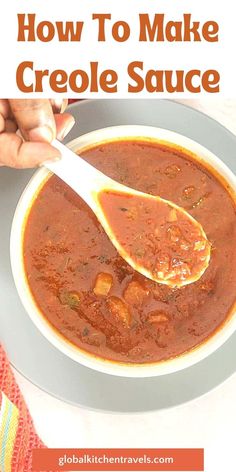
column 159, row 239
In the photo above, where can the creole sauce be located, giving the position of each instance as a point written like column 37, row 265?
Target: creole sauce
column 92, row 297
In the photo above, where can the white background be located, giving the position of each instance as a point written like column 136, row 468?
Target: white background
column 70, row 56
column 207, row 422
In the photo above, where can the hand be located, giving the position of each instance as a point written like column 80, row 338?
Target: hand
column 39, row 122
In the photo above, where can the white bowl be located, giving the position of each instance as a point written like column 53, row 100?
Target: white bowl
column 16, row 244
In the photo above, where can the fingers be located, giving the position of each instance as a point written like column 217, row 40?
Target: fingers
column 18, row 154
column 37, row 124
column 34, row 118
column 64, row 124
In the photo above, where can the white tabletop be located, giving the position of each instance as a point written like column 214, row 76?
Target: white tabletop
column 207, row 422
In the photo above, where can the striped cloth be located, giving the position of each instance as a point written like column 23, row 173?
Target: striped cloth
column 17, row 434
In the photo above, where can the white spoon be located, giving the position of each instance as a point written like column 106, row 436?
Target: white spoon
column 156, row 237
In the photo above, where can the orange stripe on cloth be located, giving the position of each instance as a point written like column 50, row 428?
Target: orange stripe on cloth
column 25, row 439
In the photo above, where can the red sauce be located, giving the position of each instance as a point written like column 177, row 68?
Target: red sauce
column 157, row 237
column 89, row 294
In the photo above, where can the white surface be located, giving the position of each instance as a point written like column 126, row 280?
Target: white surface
column 207, row 422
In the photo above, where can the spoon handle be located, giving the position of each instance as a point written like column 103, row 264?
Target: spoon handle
column 83, row 178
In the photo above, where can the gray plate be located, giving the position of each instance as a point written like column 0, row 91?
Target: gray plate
column 33, row 356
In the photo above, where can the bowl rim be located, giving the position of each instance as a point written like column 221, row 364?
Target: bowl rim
column 90, row 140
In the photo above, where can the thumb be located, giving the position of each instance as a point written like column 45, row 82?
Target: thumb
column 34, row 118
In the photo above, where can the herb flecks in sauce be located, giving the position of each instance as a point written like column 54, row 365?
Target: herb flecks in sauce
column 129, row 323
